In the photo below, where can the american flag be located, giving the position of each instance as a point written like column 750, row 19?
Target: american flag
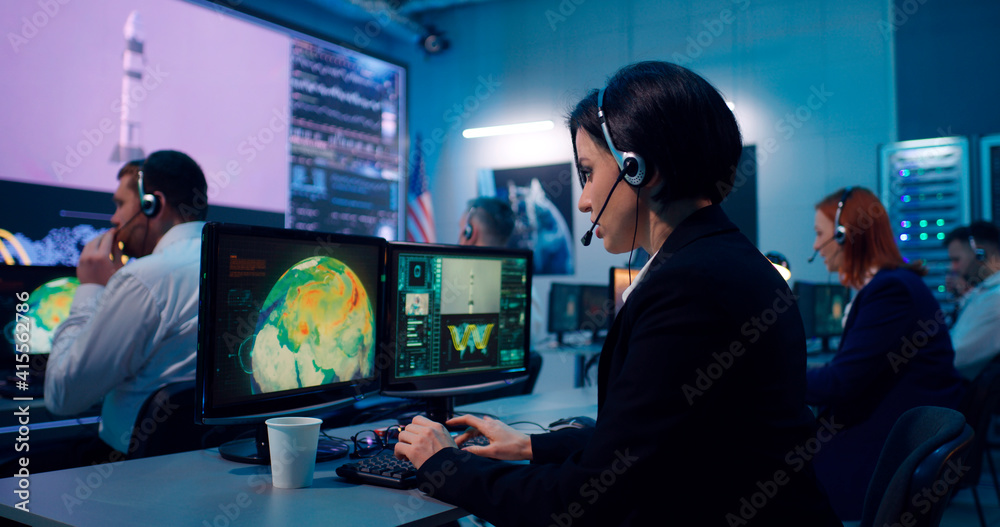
column 419, row 211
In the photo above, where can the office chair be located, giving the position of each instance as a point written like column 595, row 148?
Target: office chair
column 981, row 402
column 165, row 424
column 923, row 453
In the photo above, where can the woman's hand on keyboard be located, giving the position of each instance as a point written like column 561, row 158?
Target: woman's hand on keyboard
column 421, row 439
column 505, row 442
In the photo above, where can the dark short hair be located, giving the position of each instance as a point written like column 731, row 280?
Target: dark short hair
column 495, row 214
column 180, row 180
column 984, row 233
column 675, row 120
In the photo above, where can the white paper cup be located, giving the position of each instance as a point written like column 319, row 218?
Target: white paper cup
column 293, row 442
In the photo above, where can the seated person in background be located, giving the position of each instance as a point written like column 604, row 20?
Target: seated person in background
column 695, row 418
column 894, row 354
column 974, row 252
column 134, row 328
column 487, row 223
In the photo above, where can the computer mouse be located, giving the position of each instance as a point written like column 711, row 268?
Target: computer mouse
column 580, row 421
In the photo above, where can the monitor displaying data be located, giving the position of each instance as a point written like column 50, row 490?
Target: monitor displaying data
column 823, row 307
column 457, row 319
column 288, row 127
column 578, row 308
column 595, row 308
column 289, row 321
column 564, row 307
column 48, row 295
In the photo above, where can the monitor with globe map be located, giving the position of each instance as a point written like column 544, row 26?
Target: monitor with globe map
column 48, row 291
column 288, row 325
column 457, row 322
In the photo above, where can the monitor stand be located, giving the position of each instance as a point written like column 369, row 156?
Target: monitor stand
column 256, row 450
column 439, row 410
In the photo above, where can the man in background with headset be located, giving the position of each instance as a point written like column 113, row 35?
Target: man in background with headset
column 974, row 252
column 488, row 222
column 133, row 328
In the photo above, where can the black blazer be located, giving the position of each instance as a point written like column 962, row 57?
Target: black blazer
column 701, row 409
column 895, row 354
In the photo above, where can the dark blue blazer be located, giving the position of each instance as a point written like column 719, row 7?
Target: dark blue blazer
column 701, row 404
column 895, row 354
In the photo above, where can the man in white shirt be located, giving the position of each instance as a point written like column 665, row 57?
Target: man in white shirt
column 133, row 328
column 974, row 252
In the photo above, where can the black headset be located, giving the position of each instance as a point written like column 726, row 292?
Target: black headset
column 840, row 234
column 636, row 174
column 467, row 232
column 980, row 252
column 149, row 204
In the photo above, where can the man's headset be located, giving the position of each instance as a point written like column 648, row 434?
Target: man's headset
column 980, row 252
column 149, row 204
column 631, row 165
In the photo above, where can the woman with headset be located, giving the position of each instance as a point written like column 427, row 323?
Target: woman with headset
column 895, row 352
column 701, row 379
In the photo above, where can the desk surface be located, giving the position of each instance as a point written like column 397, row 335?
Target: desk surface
column 200, row 488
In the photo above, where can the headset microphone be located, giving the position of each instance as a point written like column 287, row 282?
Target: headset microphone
column 816, row 252
column 621, row 175
column 134, row 216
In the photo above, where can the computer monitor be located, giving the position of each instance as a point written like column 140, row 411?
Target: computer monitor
column 46, row 294
column 822, row 307
column 288, row 325
column 457, row 321
column 595, row 310
column 564, row 309
column 620, row 279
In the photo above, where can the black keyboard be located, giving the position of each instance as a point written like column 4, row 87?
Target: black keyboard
column 476, row 441
column 382, row 469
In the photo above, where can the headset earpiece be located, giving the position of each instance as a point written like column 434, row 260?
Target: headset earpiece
column 636, row 173
column 840, row 232
column 149, row 204
column 980, row 253
column 467, row 232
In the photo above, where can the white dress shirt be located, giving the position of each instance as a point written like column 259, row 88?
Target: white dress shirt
column 976, row 333
column 123, row 341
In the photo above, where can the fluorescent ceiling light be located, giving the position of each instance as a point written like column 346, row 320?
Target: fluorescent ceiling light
column 506, row 129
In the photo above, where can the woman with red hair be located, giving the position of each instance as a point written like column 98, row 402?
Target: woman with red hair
column 895, row 352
